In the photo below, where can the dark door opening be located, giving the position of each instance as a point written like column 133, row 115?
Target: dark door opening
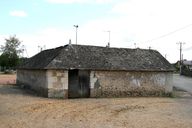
column 78, row 84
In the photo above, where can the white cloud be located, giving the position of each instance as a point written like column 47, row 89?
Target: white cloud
column 50, row 37
column 18, row 13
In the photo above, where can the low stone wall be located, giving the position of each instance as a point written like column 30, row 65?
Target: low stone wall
column 122, row 83
column 33, row 79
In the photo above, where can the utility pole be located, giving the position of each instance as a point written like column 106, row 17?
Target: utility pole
column 76, row 26
column 24, row 50
column 180, row 49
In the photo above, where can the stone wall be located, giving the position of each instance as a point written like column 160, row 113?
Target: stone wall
column 54, row 83
column 122, row 83
column 48, row 83
column 33, row 79
column 57, row 83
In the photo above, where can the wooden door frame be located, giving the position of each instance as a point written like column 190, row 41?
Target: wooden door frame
column 76, row 71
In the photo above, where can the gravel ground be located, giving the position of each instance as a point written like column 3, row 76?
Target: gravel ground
column 23, row 109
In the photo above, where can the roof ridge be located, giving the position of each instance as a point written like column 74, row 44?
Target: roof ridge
column 125, row 48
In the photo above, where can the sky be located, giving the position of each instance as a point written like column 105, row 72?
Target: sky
column 158, row 24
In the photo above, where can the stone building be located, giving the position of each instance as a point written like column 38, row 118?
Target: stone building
column 74, row 71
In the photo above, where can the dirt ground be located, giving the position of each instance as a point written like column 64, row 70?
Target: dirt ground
column 23, row 109
column 7, row 79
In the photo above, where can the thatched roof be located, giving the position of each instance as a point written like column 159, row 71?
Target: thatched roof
column 98, row 58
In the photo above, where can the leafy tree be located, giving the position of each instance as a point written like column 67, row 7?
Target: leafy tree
column 10, row 52
column 12, row 46
column 4, row 61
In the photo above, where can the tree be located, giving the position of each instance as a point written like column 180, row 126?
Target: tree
column 10, row 52
column 4, row 60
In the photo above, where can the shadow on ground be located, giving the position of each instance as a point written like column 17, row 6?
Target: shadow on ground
column 15, row 90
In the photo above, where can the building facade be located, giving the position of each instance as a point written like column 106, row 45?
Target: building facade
column 75, row 71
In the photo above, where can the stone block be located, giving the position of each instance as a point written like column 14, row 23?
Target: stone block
column 57, row 93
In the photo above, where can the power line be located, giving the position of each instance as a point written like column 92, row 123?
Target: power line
column 181, row 59
column 187, row 49
column 170, row 33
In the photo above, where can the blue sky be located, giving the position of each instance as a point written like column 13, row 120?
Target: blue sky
column 158, row 24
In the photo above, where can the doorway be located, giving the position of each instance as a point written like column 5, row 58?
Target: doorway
column 79, row 83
